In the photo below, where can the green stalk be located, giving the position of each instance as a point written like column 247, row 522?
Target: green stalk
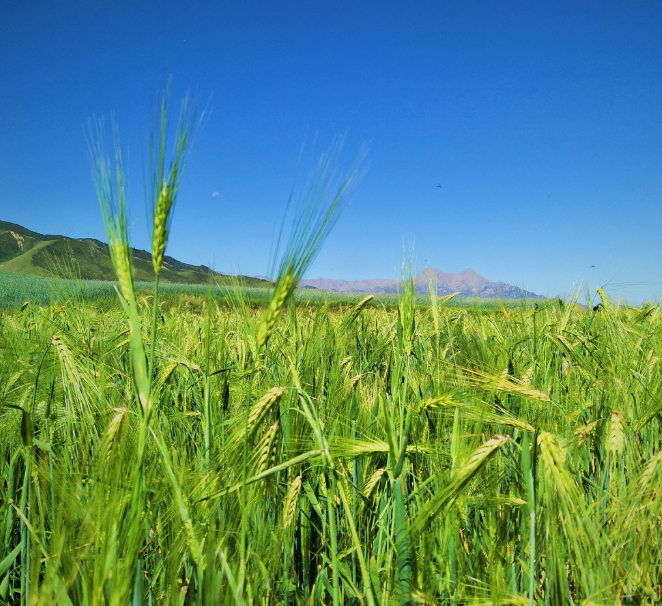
column 207, row 402
column 11, row 482
column 27, row 435
column 405, row 573
column 155, row 314
column 185, row 516
column 527, row 470
column 25, row 534
column 311, row 417
column 330, row 493
column 306, row 456
column 243, row 547
column 137, row 350
column 403, row 445
column 355, row 475
column 207, row 430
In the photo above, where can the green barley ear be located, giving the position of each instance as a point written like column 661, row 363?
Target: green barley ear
column 406, row 326
column 112, row 199
column 258, row 412
column 350, row 317
column 615, row 441
column 553, row 458
column 567, row 519
column 165, row 182
column 371, row 483
column 312, row 224
column 291, row 500
column 606, row 303
column 448, row 493
column 432, row 293
column 112, row 435
column 266, row 448
column 284, row 288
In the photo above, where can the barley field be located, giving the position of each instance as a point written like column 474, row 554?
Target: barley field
column 421, row 454
column 189, row 448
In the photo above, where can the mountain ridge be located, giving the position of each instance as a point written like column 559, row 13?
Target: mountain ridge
column 28, row 252
column 467, row 283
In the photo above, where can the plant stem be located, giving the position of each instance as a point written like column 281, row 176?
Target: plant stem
column 155, row 314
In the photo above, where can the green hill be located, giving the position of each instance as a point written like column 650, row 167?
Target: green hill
column 27, row 252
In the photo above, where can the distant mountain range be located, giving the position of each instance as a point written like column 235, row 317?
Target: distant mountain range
column 28, row 252
column 467, row 283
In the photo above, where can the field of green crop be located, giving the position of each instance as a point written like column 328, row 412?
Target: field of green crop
column 17, row 289
column 290, row 447
column 496, row 457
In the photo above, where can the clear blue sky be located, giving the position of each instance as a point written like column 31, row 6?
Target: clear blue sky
column 541, row 121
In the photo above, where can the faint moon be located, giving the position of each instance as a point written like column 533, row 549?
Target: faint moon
column 215, row 194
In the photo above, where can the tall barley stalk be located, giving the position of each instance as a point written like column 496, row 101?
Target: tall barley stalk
column 164, row 184
column 114, row 207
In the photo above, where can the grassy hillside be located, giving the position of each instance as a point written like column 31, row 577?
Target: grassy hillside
column 13, row 245
column 22, row 231
column 27, row 252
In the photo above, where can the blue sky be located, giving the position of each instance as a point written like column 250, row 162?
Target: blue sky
column 541, row 122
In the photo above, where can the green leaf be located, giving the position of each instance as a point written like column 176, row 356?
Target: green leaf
column 405, row 576
column 26, row 428
column 6, row 564
column 4, row 587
